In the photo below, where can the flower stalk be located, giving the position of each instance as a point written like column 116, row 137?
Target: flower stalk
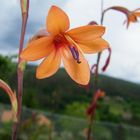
column 20, row 69
column 96, row 75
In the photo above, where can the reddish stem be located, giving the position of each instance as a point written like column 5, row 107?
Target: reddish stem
column 107, row 60
column 94, row 94
column 20, row 78
column 95, row 81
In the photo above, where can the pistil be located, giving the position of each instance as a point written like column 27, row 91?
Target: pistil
column 60, row 40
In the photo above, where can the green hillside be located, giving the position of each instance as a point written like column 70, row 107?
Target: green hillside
column 60, row 94
column 118, row 87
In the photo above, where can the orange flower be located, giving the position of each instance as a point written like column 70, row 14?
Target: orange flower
column 57, row 43
column 131, row 15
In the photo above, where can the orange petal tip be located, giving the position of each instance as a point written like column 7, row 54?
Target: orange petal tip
column 13, row 98
column 57, row 21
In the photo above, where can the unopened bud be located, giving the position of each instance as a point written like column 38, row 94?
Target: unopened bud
column 24, row 6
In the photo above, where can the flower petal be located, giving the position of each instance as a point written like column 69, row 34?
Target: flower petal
column 79, row 72
column 13, row 98
column 93, row 46
column 37, row 49
column 41, row 33
column 57, row 21
column 137, row 14
column 49, row 66
column 88, row 32
column 132, row 18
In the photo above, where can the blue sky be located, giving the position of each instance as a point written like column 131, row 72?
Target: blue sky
column 125, row 61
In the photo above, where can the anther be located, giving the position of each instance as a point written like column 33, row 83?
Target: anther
column 75, row 53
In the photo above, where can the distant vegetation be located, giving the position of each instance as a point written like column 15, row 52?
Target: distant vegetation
column 59, row 94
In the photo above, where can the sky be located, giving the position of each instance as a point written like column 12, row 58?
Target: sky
column 125, row 44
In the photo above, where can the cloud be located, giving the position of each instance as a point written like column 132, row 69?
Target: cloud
column 124, row 43
column 10, row 22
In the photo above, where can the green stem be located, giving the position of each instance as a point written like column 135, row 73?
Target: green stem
column 20, row 78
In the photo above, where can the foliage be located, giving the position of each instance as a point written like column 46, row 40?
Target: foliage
column 6, row 67
column 63, row 127
column 77, row 109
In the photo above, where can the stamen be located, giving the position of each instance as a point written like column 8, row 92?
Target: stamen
column 75, row 53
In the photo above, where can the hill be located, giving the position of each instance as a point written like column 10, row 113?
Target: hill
column 61, row 95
